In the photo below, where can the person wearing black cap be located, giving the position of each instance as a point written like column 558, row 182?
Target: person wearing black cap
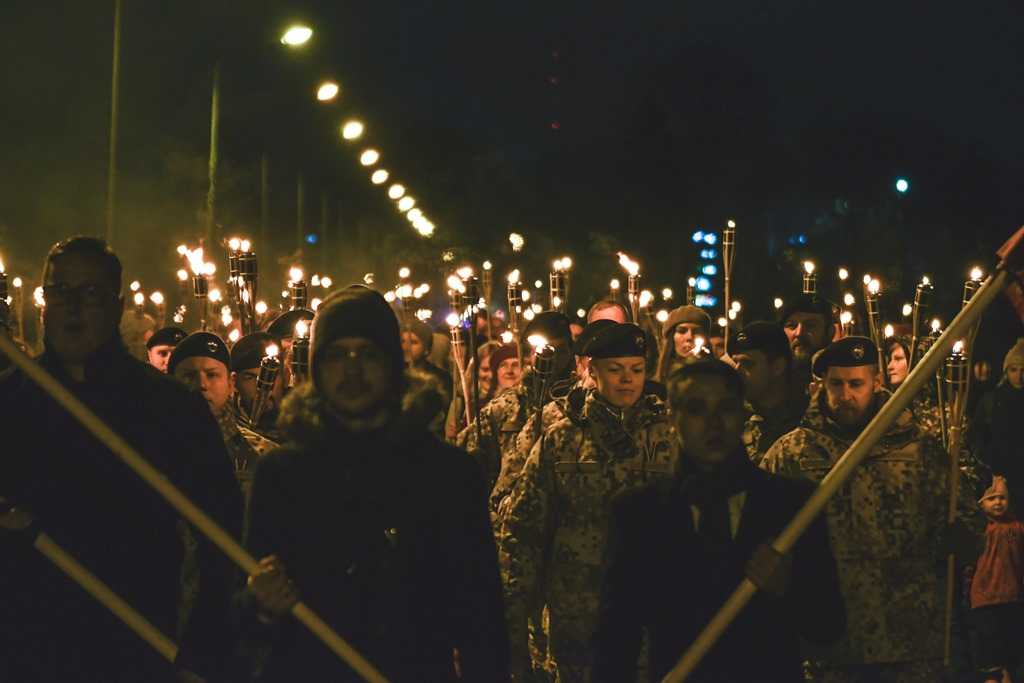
column 202, row 362
column 382, row 527
column 552, row 529
column 93, row 506
column 777, row 400
column 887, row 524
column 161, row 344
column 678, row 548
column 808, row 320
column 246, row 356
column 491, row 436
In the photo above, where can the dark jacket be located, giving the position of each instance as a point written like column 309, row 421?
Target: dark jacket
column 387, row 537
column 99, row 511
column 658, row 577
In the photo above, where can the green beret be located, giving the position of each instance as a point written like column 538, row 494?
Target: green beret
column 848, row 352
column 166, row 336
column 619, row 340
column 202, row 344
column 590, row 331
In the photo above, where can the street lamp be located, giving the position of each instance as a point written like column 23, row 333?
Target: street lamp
column 296, row 36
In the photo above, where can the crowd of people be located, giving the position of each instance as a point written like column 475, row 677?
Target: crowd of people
column 569, row 502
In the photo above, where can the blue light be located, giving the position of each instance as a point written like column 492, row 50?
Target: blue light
column 698, row 236
column 711, row 238
column 902, row 185
column 311, row 238
column 708, row 253
column 802, row 239
column 705, row 300
column 703, row 284
column 710, row 269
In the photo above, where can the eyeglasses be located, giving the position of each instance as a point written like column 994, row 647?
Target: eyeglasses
column 88, row 294
column 361, row 355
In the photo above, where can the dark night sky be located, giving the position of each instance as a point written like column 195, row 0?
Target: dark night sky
column 948, row 77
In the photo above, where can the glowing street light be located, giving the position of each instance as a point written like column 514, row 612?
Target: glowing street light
column 351, row 130
column 327, row 91
column 369, row 158
column 379, row 177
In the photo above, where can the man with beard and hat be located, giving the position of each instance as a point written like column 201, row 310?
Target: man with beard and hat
column 202, row 362
column 381, row 527
column 91, row 504
column 777, row 400
column 552, row 530
column 887, row 524
column 491, row 437
column 809, row 323
column 246, row 356
column 679, row 547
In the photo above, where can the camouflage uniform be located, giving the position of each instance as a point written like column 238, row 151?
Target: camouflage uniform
column 765, row 428
column 268, row 432
column 883, row 524
column 493, row 433
column 553, row 530
column 244, row 445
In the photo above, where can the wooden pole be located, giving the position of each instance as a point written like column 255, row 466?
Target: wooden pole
column 842, row 470
column 199, row 519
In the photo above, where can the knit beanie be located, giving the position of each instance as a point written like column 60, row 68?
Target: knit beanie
column 1015, row 356
column 421, row 330
column 357, row 311
column 686, row 314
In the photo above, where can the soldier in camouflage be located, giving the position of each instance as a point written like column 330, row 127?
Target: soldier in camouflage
column 553, row 530
column 776, row 400
column 493, row 434
column 883, row 523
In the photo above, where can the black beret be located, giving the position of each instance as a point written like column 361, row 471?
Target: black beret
column 284, row 326
column 619, row 340
column 167, row 336
column 766, row 337
column 548, row 324
column 249, row 351
column 590, row 331
column 848, row 352
column 202, row 344
column 807, row 303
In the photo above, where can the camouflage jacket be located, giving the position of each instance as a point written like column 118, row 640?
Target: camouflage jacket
column 244, row 445
column 493, row 433
column 552, row 531
column 766, row 427
column 567, row 400
column 883, row 525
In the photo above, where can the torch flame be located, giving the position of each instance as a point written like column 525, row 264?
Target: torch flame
column 888, row 330
column 182, row 274
column 301, row 328
column 874, row 286
column 809, row 267
column 464, row 272
column 614, row 284
column 846, row 317
column 403, row 272
column 245, row 245
column 925, row 280
column 140, row 298
column 698, row 346
column 182, row 250
column 907, row 309
column 134, row 286
column 272, row 350
column 234, row 243
column 516, row 240
column 976, row 273
column 645, row 298
column 261, row 307
column 537, row 341
column 1, row 266
column 662, row 316
column 632, row 267
column 936, row 325
column 487, row 265
column 195, row 260
column 295, row 273
column 513, row 277
column 157, row 298
column 958, row 347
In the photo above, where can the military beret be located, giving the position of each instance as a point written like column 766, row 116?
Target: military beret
column 848, row 352
column 548, row 324
column 202, row 344
column 766, row 337
column 166, row 336
column 249, row 351
column 619, row 340
column 807, row 303
column 590, row 330
column 686, row 314
column 284, row 326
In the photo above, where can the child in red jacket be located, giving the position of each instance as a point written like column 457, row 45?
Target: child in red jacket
column 997, row 591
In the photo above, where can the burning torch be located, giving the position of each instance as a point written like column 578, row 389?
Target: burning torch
column 728, row 257
column 922, row 302
column 270, row 366
column 632, row 283
column 515, row 302
column 300, row 353
column 872, row 289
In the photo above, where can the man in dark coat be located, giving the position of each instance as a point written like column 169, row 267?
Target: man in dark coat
column 679, row 548
column 383, row 529
column 78, row 492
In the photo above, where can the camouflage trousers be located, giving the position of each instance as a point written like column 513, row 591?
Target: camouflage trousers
column 921, row 671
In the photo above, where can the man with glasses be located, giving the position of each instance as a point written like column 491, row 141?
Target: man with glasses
column 383, row 528
column 60, row 477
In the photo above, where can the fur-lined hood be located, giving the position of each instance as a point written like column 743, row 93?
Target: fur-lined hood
column 302, row 412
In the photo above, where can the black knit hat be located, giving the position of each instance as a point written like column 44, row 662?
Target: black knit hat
column 167, row 336
column 620, row 340
column 421, row 330
column 249, row 351
column 202, row 344
column 357, row 311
